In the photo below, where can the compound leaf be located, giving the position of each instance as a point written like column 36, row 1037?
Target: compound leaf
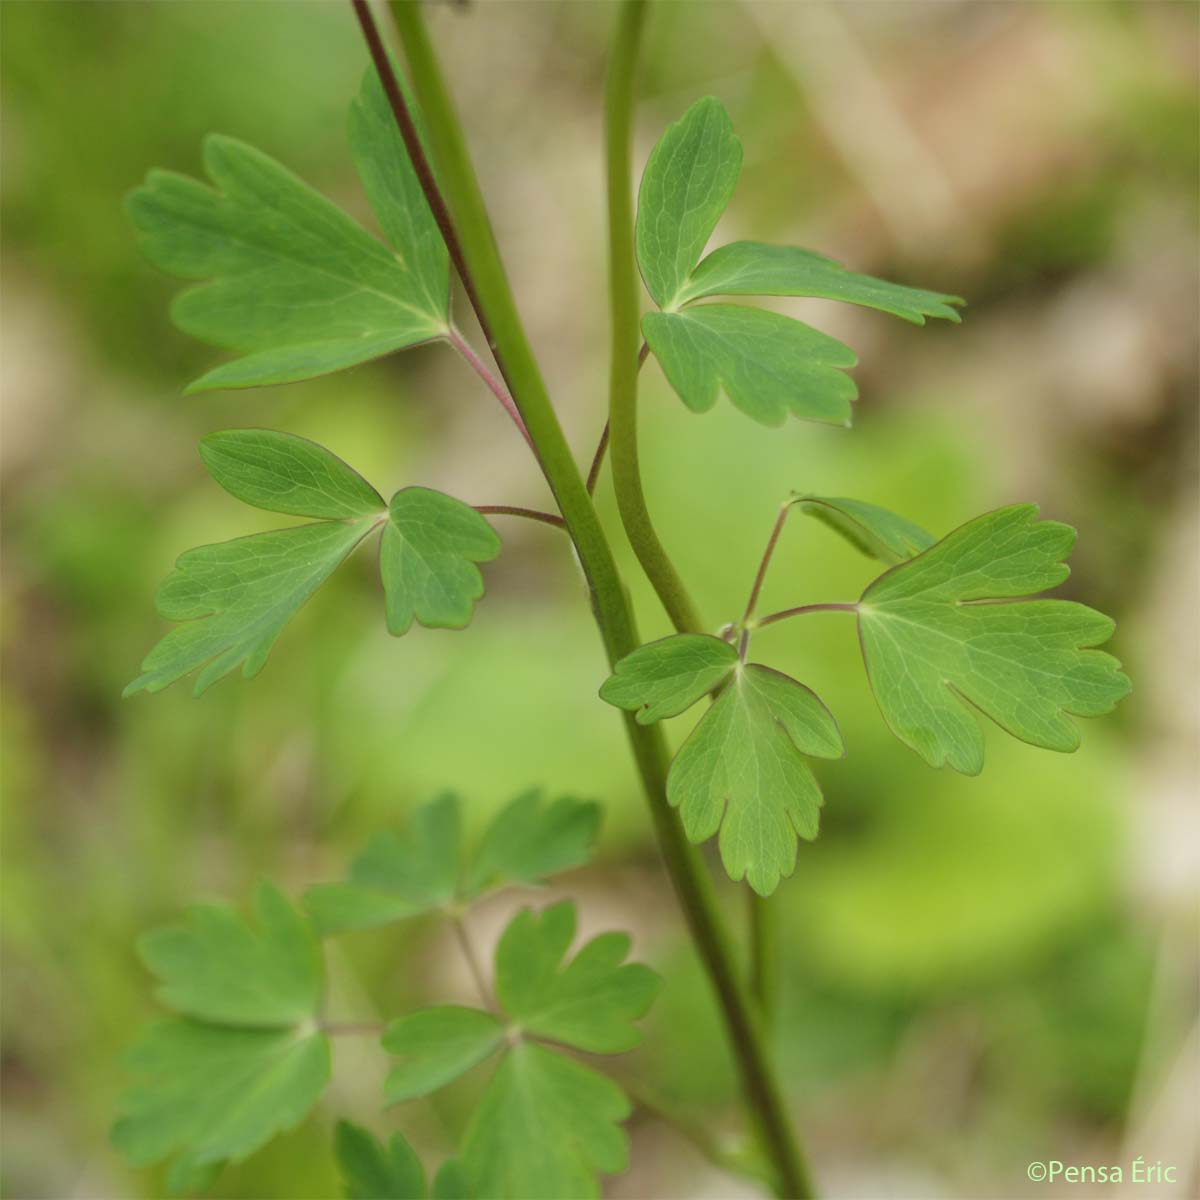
column 528, row 840
column 216, row 1092
column 216, row 968
column 935, row 644
column 245, row 1060
column 431, row 543
column 299, row 288
column 768, row 365
column 687, row 183
column 436, row 1046
column 545, row 1127
column 591, row 1002
column 372, row 1171
column 757, row 269
column 875, row 531
column 398, row 875
column 742, row 770
column 237, row 596
column 284, row 473
column 666, row 677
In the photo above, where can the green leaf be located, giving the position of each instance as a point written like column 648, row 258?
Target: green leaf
column 397, row 875
column 875, row 531
column 372, row 1171
column 431, row 543
column 591, row 1002
column 687, row 183
column 395, row 192
column 768, row 365
column 934, row 645
column 528, row 840
column 287, row 474
column 450, row 1182
column 246, row 1060
column 756, row 269
column 299, row 288
column 743, row 770
column 217, row 968
column 436, row 1046
column 664, row 678
column 215, row 1092
column 237, row 596
column 545, row 1127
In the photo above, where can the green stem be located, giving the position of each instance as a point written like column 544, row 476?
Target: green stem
column 763, row 955
column 626, row 337
column 467, row 231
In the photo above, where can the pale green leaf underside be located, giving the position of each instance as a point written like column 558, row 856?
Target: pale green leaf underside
column 743, row 770
column 666, row 677
column 436, row 1046
column 757, row 269
column 236, row 597
column 431, row 543
column 284, row 473
column 934, row 647
column 768, row 365
column 544, row 1129
column 372, row 1171
column 530, row 839
column 298, row 287
column 688, row 181
column 874, row 531
column 217, row 968
column 398, row 875
column 215, row 1093
column 590, row 1002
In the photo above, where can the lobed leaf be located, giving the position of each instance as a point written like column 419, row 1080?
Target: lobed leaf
column 742, row 770
column 215, row 1093
column 436, row 1046
column 529, row 840
column 688, row 181
column 874, row 531
column 757, row 269
column 236, row 597
column 935, row 644
column 284, row 473
column 591, row 1002
column 404, row 874
column 245, row 1061
column 431, row 543
column 398, row 875
column 298, row 287
column 216, row 968
column 665, row 678
column 372, row 1171
column 544, row 1129
column 768, row 365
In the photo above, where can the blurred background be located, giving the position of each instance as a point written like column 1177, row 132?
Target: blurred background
column 977, row 972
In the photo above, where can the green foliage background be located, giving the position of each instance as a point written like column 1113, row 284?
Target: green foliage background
column 977, row 972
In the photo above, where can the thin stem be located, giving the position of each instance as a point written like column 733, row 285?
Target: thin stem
column 598, row 457
column 497, row 389
column 478, row 260
column 763, row 955
column 624, row 310
column 593, row 474
column 765, row 562
column 801, row 610
column 473, row 964
column 530, row 514
column 694, row 1133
